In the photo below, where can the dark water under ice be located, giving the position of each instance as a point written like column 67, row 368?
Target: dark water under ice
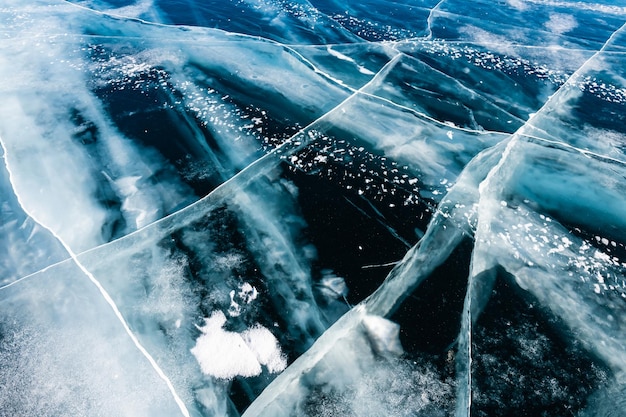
column 315, row 208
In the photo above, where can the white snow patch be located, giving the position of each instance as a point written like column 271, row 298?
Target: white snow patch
column 225, row 355
column 265, row 347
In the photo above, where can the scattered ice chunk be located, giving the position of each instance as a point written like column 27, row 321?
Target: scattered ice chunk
column 384, row 335
column 332, row 286
column 246, row 294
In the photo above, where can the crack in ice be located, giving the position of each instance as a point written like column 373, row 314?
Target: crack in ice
column 105, row 295
column 262, row 164
column 245, row 174
column 485, row 197
column 429, row 20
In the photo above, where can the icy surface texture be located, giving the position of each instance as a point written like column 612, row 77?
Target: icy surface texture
column 313, row 208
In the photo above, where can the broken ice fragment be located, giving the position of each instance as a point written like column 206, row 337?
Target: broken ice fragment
column 383, row 334
column 246, row 294
column 332, row 286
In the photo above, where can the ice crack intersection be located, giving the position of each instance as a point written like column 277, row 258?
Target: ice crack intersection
column 558, row 95
column 100, row 288
column 486, row 196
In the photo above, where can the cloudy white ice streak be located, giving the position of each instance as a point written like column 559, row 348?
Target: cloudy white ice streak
column 24, row 245
column 490, row 192
column 81, row 156
column 50, row 179
column 104, row 293
column 477, row 286
column 351, row 342
column 605, row 8
column 405, row 277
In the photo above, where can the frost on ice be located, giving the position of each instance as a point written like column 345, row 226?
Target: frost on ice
column 312, row 208
column 225, row 354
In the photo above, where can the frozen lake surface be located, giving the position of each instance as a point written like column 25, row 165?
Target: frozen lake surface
column 312, row 208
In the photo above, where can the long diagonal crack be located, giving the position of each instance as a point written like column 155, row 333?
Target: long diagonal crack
column 464, row 406
column 101, row 289
column 245, row 175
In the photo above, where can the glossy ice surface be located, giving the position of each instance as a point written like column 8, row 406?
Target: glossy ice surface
column 312, row 208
